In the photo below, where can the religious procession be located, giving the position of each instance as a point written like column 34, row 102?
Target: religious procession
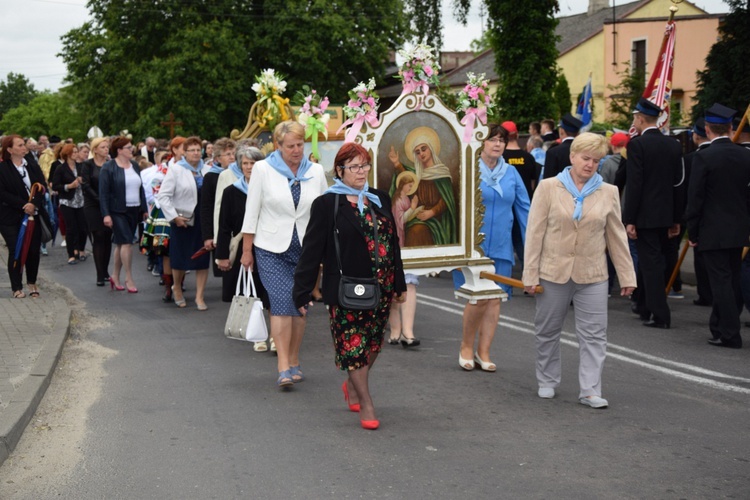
column 351, row 207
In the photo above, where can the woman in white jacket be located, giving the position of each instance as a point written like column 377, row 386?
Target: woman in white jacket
column 179, row 198
column 279, row 196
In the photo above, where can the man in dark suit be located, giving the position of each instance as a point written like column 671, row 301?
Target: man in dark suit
column 718, row 218
column 700, row 140
column 558, row 157
column 653, row 208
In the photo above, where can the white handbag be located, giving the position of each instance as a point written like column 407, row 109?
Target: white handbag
column 245, row 320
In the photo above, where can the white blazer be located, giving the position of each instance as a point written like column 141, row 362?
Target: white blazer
column 178, row 194
column 269, row 211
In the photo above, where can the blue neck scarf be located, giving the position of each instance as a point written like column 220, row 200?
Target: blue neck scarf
column 492, row 177
column 588, row 188
column 196, row 170
column 341, row 188
column 215, row 169
column 241, row 184
column 236, row 170
column 278, row 164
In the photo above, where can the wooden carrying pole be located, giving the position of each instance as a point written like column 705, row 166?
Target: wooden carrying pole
column 743, row 122
column 677, row 267
column 505, row 280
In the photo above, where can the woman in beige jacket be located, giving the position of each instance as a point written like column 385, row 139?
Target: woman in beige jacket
column 574, row 220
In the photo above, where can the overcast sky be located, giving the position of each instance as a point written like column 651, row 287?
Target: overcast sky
column 30, row 38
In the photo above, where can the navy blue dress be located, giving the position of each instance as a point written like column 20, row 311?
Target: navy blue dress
column 185, row 241
column 277, row 270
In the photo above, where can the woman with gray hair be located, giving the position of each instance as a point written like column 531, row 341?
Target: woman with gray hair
column 229, row 232
column 224, row 151
column 574, row 220
column 279, row 196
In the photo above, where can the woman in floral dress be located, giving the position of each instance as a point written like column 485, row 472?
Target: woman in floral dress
column 357, row 335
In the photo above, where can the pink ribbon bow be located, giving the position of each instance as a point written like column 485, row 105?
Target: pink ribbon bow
column 473, row 115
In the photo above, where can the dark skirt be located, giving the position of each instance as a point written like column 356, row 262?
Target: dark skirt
column 94, row 218
column 124, row 226
column 183, row 243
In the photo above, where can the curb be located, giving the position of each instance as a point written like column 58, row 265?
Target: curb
column 25, row 401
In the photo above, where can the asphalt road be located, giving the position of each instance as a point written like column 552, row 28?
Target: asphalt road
column 186, row 413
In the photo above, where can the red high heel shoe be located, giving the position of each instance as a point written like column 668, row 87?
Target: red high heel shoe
column 352, row 407
column 112, row 285
column 370, row 425
column 131, row 290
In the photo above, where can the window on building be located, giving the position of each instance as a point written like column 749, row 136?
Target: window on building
column 638, row 59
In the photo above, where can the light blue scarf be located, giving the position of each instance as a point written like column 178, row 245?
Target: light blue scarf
column 215, row 169
column 196, row 170
column 278, row 164
column 341, row 188
column 241, row 184
column 236, row 170
column 591, row 186
column 492, row 177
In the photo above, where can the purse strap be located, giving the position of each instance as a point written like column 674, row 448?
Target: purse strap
column 245, row 278
column 336, row 234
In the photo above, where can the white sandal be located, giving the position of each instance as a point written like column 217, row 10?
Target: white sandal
column 486, row 366
column 260, row 346
column 466, row 364
column 273, row 346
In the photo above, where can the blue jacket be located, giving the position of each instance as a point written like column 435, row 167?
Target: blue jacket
column 500, row 212
column 112, row 189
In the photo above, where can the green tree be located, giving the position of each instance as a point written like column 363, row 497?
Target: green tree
column 14, row 91
column 523, row 40
column 131, row 65
column 426, row 21
column 481, row 44
column 625, row 96
column 51, row 114
column 726, row 78
column 562, row 94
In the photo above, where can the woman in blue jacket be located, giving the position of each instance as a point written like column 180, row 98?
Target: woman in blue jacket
column 123, row 204
column 505, row 198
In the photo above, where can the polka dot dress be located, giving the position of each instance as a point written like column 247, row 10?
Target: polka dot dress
column 277, row 270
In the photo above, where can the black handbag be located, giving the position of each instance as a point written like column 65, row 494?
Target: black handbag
column 358, row 294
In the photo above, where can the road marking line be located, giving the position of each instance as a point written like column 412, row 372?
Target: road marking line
column 457, row 308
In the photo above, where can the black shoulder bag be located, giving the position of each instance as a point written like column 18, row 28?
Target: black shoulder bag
column 358, row 294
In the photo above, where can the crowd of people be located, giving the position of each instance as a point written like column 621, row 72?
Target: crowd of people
column 572, row 210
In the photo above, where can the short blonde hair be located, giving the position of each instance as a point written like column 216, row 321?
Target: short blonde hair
column 288, row 127
column 590, row 142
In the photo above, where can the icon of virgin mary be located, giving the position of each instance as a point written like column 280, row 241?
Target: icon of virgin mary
column 435, row 222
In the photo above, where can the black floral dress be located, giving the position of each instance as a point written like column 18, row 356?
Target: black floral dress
column 358, row 333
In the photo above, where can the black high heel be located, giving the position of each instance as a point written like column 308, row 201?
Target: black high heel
column 406, row 342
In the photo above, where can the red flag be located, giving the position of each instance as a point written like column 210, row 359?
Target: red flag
column 659, row 88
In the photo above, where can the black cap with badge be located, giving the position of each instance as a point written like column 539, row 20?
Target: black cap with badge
column 647, row 107
column 570, row 123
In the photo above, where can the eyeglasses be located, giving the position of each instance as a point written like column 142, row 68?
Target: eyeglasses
column 130, row 146
column 497, row 139
column 357, row 168
column 193, row 151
